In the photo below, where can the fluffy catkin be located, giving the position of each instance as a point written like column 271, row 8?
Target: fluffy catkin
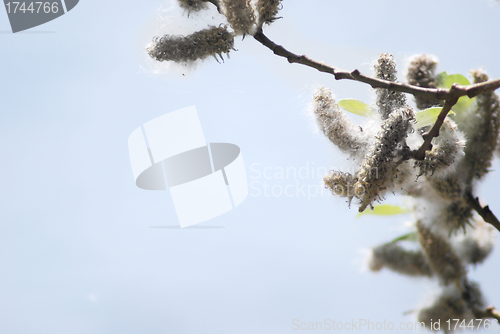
column 199, row 45
column 477, row 244
column 448, row 187
column 447, row 148
column 387, row 101
column 341, row 184
column 473, row 296
column 454, row 216
column 336, row 126
column 442, row 260
column 376, row 173
column 268, row 11
column 454, row 303
column 398, row 259
column 421, row 73
column 449, row 305
column 239, row 15
column 482, row 132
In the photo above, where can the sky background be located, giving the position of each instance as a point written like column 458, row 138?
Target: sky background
column 77, row 251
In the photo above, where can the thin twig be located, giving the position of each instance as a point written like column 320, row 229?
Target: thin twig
column 490, row 313
column 484, row 212
column 434, row 131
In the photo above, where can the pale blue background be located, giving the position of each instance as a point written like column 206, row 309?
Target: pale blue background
column 76, row 251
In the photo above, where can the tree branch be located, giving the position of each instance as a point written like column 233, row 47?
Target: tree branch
column 438, row 93
column 484, row 212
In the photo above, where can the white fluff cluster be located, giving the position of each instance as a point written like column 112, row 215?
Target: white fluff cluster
column 449, row 241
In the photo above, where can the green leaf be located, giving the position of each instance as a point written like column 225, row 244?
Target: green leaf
column 356, row 107
column 428, row 116
column 385, row 210
column 463, row 104
column 412, row 236
column 445, row 80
